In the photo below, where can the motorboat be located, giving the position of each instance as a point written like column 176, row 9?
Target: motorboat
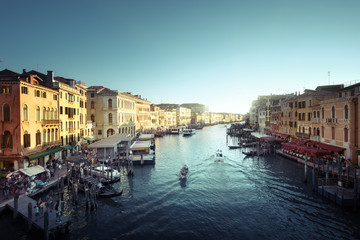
column 219, row 156
column 106, row 173
column 234, row 146
column 141, row 153
column 188, row 132
column 175, row 130
column 183, row 172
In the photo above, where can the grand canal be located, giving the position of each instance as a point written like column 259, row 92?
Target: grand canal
column 241, row 198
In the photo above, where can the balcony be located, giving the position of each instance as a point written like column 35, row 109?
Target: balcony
column 315, row 138
column 50, row 122
column 52, row 143
column 331, row 120
column 302, row 135
column 315, row 120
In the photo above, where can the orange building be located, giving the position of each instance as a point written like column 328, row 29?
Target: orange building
column 29, row 117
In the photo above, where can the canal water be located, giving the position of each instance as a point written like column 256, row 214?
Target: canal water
column 240, row 198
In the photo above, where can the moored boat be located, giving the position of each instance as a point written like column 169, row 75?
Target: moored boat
column 188, row 132
column 141, row 153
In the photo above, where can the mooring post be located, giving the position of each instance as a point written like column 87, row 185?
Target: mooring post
column 327, row 172
column 46, row 224
column 313, row 176
column 305, row 169
column 356, row 182
column 29, row 216
column 16, row 205
column 339, row 167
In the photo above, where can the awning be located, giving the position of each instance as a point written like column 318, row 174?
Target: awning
column 89, row 139
column 31, row 171
column 75, row 159
column 44, row 153
column 330, row 147
column 67, row 147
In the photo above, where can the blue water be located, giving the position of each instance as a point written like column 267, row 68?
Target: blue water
column 240, row 198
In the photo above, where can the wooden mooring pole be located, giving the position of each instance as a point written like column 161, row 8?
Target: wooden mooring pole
column 29, row 216
column 16, row 205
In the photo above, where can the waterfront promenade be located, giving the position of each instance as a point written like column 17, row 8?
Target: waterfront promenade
column 59, row 173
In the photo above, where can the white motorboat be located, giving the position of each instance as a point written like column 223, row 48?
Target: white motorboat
column 188, row 132
column 183, row 172
column 219, row 156
column 105, row 172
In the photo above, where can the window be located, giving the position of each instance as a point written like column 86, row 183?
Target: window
column 6, row 140
column 110, row 103
column 333, row 112
column 26, row 139
column 92, row 117
column 346, row 112
column 99, row 132
column 25, row 113
column 92, row 105
column 61, row 110
column 310, row 103
column 332, row 133
column 92, row 95
column 322, row 113
column 37, row 114
column 44, row 95
column 24, row 90
column 37, row 93
column 346, row 136
column 322, row 131
column 44, row 114
column 55, row 97
column 5, row 89
column 44, row 135
column 60, row 94
column 6, row 112
column 38, row 138
column 309, row 116
column 352, row 92
column 110, row 118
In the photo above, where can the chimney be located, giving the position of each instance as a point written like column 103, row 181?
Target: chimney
column 24, row 71
column 49, row 78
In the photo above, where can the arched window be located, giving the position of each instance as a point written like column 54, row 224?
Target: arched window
column 92, row 105
column 346, row 112
column 48, row 136
column 25, row 113
column 6, row 140
column 26, row 139
column 44, row 114
column 110, row 103
column 52, row 114
column 346, row 135
column 44, row 95
column 48, row 114
column 6, row 112
column 37, row 114
column 38, row 137
column 333, row 112
column 44, row 136
column 110, row 118
column 92, row 117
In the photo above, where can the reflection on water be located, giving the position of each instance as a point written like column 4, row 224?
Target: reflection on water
column 240, row 198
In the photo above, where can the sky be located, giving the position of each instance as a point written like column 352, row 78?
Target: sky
column 221, row 53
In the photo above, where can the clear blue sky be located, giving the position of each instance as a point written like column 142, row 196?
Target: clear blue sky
column 219, row 53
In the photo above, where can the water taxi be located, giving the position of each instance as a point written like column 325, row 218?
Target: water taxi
column 219, row 156
column 141, row 153
column 175, row 130
column 188, row 132
column 148, row 137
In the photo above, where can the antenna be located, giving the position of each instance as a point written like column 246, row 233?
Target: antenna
column 329, row 77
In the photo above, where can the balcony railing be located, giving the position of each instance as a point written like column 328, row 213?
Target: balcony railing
column 52, row 143
column 50, row 122
column 315, row 120
column 302, row 135
column 331, row 120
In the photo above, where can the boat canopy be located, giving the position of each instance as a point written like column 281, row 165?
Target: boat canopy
column 140, row 144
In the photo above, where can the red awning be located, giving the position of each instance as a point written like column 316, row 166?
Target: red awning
column 330, row 147
column 291, row 146
column 313, row 151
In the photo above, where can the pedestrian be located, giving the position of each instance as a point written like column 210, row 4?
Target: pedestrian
column 6, row 189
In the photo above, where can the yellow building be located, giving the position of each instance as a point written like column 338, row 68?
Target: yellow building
column 110, row 112
column 143, row 119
